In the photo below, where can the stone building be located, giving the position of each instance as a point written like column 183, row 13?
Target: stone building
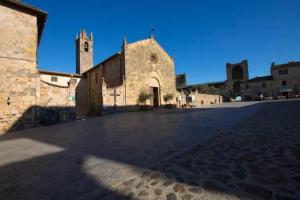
column 196, row 95
column 118, row 81
column 20, row 32
column 286, row 79
column 282, row 83
column 26, row 91
column 237, row 73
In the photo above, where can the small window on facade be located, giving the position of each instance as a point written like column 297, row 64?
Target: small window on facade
column 247, row 86
column 86, row 47
column 53, row 79
column 263, row 85
column 96, row 78
column 283, row 83
column 283, row 71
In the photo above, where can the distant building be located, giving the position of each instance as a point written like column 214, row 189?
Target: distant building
column 283, row 83
column 197, row 95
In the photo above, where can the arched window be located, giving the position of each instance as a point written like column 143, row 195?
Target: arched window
column 86, row 47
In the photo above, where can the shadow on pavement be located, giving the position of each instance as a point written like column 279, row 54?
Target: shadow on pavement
column 67, row 161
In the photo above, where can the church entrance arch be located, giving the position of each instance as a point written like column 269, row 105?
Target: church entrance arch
column 236, row 88
column 155, row 90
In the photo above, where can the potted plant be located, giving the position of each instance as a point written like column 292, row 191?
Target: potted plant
column 143, row 97
column 167, row 98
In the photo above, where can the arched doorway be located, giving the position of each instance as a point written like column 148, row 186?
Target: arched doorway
column 236, row 88
column 237, row 73
column 155, row 89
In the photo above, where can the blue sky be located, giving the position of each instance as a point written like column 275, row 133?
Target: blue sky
column 201, row 35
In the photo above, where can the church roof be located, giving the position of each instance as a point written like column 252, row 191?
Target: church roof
column 22, row 7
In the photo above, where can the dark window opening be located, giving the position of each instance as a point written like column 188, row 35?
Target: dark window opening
column 53, row 78
column 263, row 85
column 283, row 83
column 86, row 47
column 247, row 86
column 96, row 78
column 283, row 71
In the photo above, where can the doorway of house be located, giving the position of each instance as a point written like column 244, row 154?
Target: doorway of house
column 155, row 97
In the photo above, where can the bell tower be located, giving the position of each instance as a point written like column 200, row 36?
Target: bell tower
column 84, row 52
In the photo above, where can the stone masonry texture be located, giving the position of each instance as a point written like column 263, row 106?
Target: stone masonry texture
column 140, row 68
column 18, row 49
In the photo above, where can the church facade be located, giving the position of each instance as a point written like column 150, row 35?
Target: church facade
column 117, row 82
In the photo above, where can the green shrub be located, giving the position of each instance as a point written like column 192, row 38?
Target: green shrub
column 144, row 96
column 168, row 97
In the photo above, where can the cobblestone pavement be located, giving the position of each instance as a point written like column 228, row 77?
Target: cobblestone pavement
column 84, row 159
column 256, row 159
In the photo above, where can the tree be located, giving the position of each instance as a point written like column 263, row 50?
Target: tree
column 168, row 97
column 144, row 96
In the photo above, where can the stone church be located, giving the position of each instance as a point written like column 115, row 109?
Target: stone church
column 118, row 81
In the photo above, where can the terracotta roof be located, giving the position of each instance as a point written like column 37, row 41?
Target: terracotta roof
column 22, row 7
column 59, row 73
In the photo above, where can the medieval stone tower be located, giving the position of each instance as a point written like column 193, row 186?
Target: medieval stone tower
column 84, row 52
column 236, row 73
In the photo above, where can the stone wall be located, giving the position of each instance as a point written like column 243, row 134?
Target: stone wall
column 112, row 71
column 113, row 97
column 94, row 81
column 145, row 60
column 254, row 90
column 292, row 79
column 18, row 74
column 82, row 98
column 197, row 99
column 56, row 96
column 109, row 71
